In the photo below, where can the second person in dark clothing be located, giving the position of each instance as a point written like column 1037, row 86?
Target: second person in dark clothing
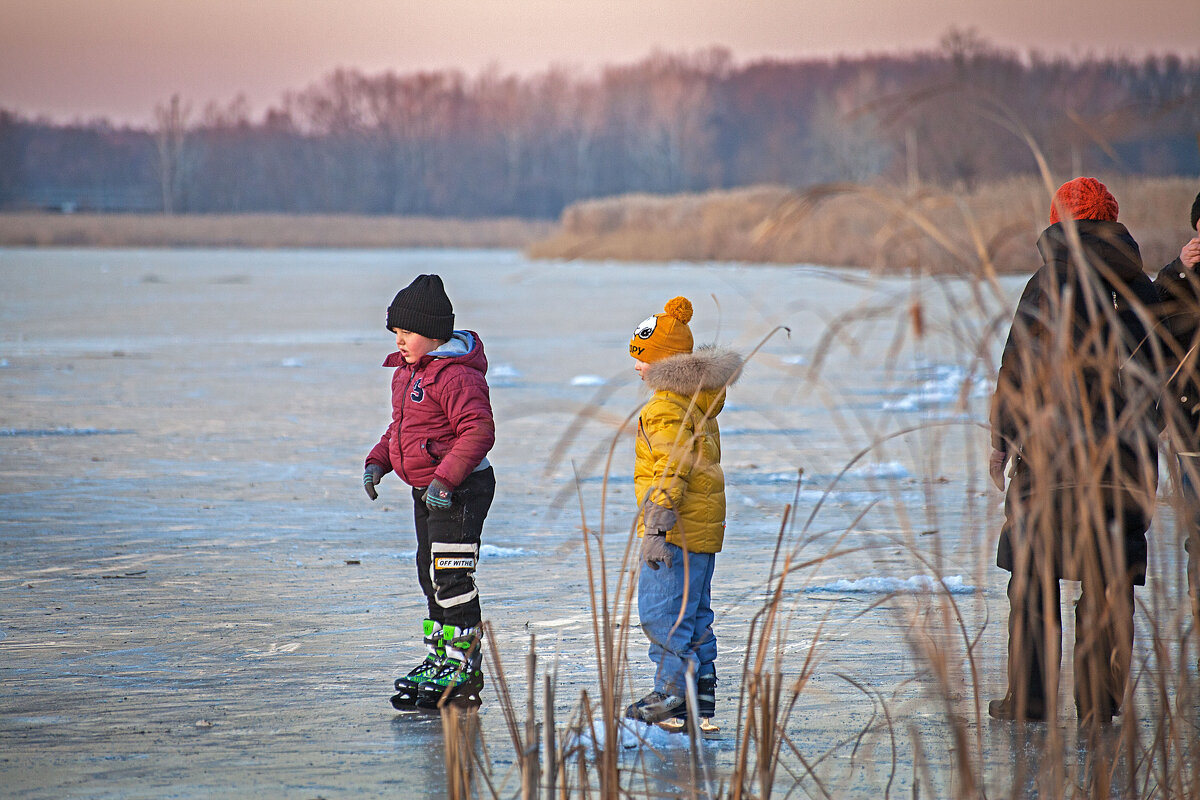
column 1075, row 412
column 1179, row 288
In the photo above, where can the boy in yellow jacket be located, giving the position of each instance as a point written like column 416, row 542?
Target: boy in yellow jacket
column 681, row 494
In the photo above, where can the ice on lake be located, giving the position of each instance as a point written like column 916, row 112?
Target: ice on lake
column 186, row 536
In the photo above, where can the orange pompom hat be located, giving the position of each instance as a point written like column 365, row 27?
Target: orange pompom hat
column 1084, row 198
column 664, row 334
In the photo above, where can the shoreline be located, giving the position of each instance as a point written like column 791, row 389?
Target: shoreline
column 265, row 231
column 990, row 229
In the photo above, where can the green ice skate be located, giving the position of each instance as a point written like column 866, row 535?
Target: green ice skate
column 407, row 686
column 460, row 679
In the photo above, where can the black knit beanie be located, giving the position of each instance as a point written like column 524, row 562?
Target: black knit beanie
column 423, row 307
column 1195, row 211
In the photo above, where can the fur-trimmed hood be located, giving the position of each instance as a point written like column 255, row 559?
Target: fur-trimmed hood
column 707, row 369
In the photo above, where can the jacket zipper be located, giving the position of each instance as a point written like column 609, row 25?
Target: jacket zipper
column 400, row 424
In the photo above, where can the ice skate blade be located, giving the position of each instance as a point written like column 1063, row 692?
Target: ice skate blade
column 458, row 701
column 404, row 701
column 406, row 705
column 673, row 725
column 707, row 728
column 416, row 711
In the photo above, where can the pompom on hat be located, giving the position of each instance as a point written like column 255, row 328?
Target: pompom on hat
column 1083, row 198
column 665, row 334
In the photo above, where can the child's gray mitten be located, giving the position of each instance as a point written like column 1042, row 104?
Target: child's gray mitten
column 655, row 550
column 372, row 475
column 658, row 518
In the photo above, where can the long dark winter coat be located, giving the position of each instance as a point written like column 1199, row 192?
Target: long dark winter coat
column 679, row 445
column 1075, row 407
column 1179, row 290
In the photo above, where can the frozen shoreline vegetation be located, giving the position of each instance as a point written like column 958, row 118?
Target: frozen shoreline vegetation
column 24, row 229
column 878, row 228
column 881, row 228
column 199, row 601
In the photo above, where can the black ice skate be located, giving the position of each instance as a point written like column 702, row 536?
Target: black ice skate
column 460, row 679
column 407, row 686
column 657, row 707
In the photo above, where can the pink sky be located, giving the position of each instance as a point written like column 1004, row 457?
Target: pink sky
column 78, row 59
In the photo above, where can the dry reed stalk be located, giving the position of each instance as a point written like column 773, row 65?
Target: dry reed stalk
column 460, row 731
column 529, row 760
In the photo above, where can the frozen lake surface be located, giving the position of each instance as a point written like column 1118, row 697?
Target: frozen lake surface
column 199, row 600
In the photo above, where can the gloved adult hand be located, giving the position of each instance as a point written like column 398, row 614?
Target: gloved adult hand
column 658, row 518
column 372, row 475
column 438, row 496
column 996, row 468
column 655, row 550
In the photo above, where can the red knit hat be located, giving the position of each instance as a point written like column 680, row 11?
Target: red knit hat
column 1084, row 198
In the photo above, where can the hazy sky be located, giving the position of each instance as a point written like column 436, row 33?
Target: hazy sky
column 80, row 59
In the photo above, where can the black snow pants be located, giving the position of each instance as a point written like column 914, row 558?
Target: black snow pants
column 448, row 549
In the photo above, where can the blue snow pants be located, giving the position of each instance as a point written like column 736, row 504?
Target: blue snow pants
column 677, row 640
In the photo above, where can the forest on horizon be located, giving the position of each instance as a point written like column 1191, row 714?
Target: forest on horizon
column 445, row 144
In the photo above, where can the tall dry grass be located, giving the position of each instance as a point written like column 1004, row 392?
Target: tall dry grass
column 990, row 228
column 262, row 230
column 1152, row 751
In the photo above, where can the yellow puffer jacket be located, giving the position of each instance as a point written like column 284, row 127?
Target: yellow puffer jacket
column 679, row 445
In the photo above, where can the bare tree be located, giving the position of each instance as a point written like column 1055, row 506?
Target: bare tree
column 170, row 134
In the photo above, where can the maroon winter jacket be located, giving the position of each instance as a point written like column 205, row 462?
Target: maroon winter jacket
column 442, row 423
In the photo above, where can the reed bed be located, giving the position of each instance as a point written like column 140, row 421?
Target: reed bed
column 263, row 230
column 942, row 230
column 933, row 738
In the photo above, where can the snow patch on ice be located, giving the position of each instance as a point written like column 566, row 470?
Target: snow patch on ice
column 588, row 380
column 886, row 469
column 492, row 551
column 631, row 734
column 503, row 371
column 485, row 551
column 941, row 387
column 555, row 623
column 291, row 362
column 917, row 584
column 503, row 375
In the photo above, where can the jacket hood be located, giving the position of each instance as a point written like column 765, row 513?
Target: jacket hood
column 464, row 347
column 707, row 369
column 1108, row 242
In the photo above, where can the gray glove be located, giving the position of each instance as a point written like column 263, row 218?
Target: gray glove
column 655, row 550
column 438, row 495
column 658, row 518
column 372, row 475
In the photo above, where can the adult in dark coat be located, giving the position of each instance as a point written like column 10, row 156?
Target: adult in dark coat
column 1075, row 413
column 1179, row 288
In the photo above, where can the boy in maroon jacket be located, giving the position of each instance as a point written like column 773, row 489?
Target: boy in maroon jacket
column 437, row 442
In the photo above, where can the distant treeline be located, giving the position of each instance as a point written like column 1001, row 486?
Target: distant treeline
column 444, row 144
